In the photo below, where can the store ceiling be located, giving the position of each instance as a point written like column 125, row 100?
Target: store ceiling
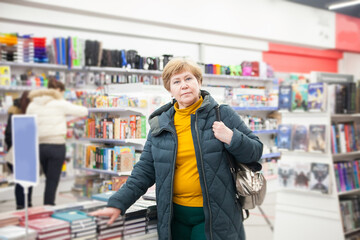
column 353, row 11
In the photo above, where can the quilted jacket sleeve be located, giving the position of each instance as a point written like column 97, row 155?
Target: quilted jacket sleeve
column 142, row 177
column 244, row 146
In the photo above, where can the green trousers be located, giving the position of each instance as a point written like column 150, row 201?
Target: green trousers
column 188, row 223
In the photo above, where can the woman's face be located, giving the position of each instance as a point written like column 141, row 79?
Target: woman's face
column 185, row 88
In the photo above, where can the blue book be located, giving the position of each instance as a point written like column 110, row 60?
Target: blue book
column 58, row 50
column 63, row 51
column 285, row 97
column 316, row 97
column 284, row 136
column 103, row 196
column 73, row 217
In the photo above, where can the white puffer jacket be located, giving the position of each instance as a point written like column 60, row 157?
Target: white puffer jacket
column 51, row 111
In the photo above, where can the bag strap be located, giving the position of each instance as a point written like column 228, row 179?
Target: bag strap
column 232, row 165
column 231, row 161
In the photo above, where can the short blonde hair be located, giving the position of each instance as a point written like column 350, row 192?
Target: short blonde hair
column 179, row 65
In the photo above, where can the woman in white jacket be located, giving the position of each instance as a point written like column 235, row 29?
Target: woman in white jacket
column 51, row 111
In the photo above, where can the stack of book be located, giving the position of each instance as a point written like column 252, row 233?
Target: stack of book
column 50, row 228
column 17, row 233
column 34, row 213
column 133, row 223
column 7, row 219
column 82, row 226
column 151, row 214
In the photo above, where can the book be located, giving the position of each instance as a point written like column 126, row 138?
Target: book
column 47, row 224
column 286, row 174
column 317, row 97
column 317, row 140
column 285, row 97
column 320, row 179
column 73, row 217
column 299, row 138
column 118, row 181
column 34, row 212
column 299, row 101
column 302, row 175
column 16, row 232
column 103, row 196
column 284, row 136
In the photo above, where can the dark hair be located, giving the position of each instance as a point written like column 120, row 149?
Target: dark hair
column 54, row 84
column 24, row 101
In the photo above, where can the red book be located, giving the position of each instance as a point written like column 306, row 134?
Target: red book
column 34, row 213
column 49, row 224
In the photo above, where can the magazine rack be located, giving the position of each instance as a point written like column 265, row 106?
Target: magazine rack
column 304, row 214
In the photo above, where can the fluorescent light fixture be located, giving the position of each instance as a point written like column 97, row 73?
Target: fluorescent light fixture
column 343, row 4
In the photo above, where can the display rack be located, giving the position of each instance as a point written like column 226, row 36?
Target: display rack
column 209, row 80
column 317, row 215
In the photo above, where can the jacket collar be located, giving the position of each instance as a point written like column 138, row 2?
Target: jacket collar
column 162, row 118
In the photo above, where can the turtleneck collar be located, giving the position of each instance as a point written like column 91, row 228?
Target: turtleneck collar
column 190, row 109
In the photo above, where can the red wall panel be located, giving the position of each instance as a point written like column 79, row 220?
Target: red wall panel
column 347, row 33
column 285, row 58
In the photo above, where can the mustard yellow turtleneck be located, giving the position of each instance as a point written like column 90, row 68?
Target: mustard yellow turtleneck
column 187, row 189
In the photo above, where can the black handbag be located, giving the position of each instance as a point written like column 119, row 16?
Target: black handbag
column 249, row 182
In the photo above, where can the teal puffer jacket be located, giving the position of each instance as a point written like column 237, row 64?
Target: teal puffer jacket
column 223, row 218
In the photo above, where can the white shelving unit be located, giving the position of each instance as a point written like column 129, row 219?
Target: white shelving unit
column 317, row 215
column 311, row 215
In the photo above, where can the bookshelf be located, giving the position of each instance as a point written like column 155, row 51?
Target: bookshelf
column 318, row 215
column 210, row 80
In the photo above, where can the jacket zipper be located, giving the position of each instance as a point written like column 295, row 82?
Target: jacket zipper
column 172, row 184
column 203, row 172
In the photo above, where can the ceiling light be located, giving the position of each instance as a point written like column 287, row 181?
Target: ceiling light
column 343, row 4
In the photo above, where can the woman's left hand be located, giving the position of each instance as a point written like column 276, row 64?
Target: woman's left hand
column 222, row 132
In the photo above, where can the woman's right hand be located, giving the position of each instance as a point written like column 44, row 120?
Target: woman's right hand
column 110, row 212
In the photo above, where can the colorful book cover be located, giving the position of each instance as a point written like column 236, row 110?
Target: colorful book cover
column 73, row 217
column 125, row 158
column 299, row 138
column 320, row 179
column 284, row 136
column 299, row 101
column 34, row 213
column 302, row 175
column 118, row 181
column 317, row 97
column 47, row 224
column 285, row 97
column 286, row 174
column 103, row 196
column 317, row 140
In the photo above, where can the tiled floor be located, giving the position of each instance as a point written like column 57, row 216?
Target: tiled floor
column 256, row 226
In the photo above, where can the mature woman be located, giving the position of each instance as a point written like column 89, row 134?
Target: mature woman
column 184, row 155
